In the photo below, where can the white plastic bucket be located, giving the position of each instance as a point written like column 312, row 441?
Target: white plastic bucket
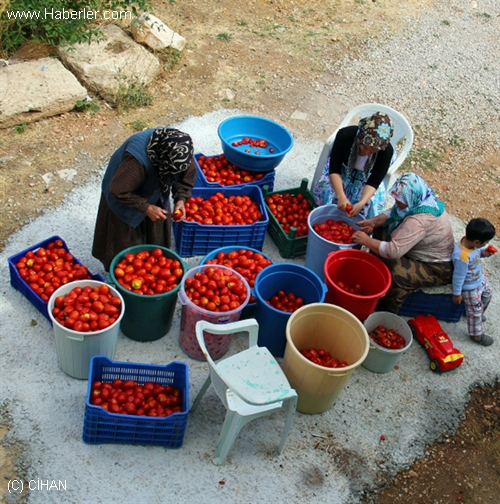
column 332, row 329
column 380, row 359
column 317, row 247
column 75, row 349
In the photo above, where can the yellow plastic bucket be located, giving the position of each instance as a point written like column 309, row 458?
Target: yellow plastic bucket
column 333, row 329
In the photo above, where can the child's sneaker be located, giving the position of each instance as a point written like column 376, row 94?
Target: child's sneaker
column 483, row 340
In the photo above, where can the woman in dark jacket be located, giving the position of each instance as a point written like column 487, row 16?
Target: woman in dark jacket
column 141, row 175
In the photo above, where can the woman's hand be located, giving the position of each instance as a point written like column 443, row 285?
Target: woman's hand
column 179, row 207
column 156, row 213
column 367, row 226
column 360, row 237
column 356, row 209
column 342, row 203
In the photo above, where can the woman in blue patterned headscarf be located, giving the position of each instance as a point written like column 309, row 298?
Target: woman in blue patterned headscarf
column 358, row 162
column 414, row 238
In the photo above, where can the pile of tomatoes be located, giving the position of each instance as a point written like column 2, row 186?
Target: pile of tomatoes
column 335, row 231
column 130, row 398
column 258, row 142
column 216, row 289
column 218, row 169
column 322, row 358
column 47, row 268
column 287, row 302
column 353, row 289
column 221, row 210
column 148, row 272
column 387, row 338
column 290, row 210
column 87, row 309
column 246, row 262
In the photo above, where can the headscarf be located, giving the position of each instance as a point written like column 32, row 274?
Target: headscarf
column 374, row 131
column 413, row 191
column 170, row 152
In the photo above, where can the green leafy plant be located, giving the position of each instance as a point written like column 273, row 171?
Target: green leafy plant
column 224, row 36
column 446, row 22
column 51, row 21
column 131, row 94
column 87, row 104
column 242, row 23
column 20, row 128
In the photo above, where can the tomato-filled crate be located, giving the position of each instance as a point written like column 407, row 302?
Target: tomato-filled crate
column 195, row 238
column 19, row 283
column 289, row 244
column 101, row 426
column 229, row 175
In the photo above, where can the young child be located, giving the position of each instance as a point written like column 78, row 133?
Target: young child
column 469, row 283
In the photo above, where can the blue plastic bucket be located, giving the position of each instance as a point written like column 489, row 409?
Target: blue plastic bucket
column 317, row 247
column 288, row 277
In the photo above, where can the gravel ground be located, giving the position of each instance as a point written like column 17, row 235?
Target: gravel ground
column 330, row 457
column 444, row 79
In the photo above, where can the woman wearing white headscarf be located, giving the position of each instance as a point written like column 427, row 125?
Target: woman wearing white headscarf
column 142, row 174
column 414, row 238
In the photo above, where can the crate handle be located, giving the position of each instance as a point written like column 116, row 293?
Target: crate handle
column 337, row 374
column 75, row 337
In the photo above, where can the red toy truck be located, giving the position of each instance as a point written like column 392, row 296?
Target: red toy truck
column 427, row 330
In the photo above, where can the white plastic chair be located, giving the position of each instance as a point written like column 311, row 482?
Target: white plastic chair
column 250, row 384
column 402, row 129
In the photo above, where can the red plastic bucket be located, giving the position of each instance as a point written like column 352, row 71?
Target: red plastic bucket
column 353, row 267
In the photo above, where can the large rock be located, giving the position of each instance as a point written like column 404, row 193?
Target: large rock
column 153, row 32
column 36, row 89
column 116, row 59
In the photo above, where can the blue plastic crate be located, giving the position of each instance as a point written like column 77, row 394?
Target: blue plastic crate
column 192, row 238
column 201, row 180
column 439, row 305
column 100, row 426
column 20, row 284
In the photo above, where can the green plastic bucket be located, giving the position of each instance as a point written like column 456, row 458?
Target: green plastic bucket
column 147, row 317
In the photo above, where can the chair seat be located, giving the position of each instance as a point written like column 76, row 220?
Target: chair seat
column 249, row 373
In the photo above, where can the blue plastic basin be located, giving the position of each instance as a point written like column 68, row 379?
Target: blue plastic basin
column 234, row 129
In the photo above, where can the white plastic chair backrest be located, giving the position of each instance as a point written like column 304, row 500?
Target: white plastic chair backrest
column 402, row 129
column 250, row 325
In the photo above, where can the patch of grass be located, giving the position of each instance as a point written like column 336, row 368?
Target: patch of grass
column 433, row 66
column 242, row 22
column 20, row 128
column 446, row 22
column 486, row 15
column 131, row 94
column 170, row 57
column 139, row 125
column 456, row 141
column 424, row 158
column 224, row 37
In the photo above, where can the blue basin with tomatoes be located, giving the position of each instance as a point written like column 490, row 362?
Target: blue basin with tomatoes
column 254, row 143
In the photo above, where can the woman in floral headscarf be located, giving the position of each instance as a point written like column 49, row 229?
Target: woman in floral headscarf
column 414, row 238
column 136, row 189
column 356, row 167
